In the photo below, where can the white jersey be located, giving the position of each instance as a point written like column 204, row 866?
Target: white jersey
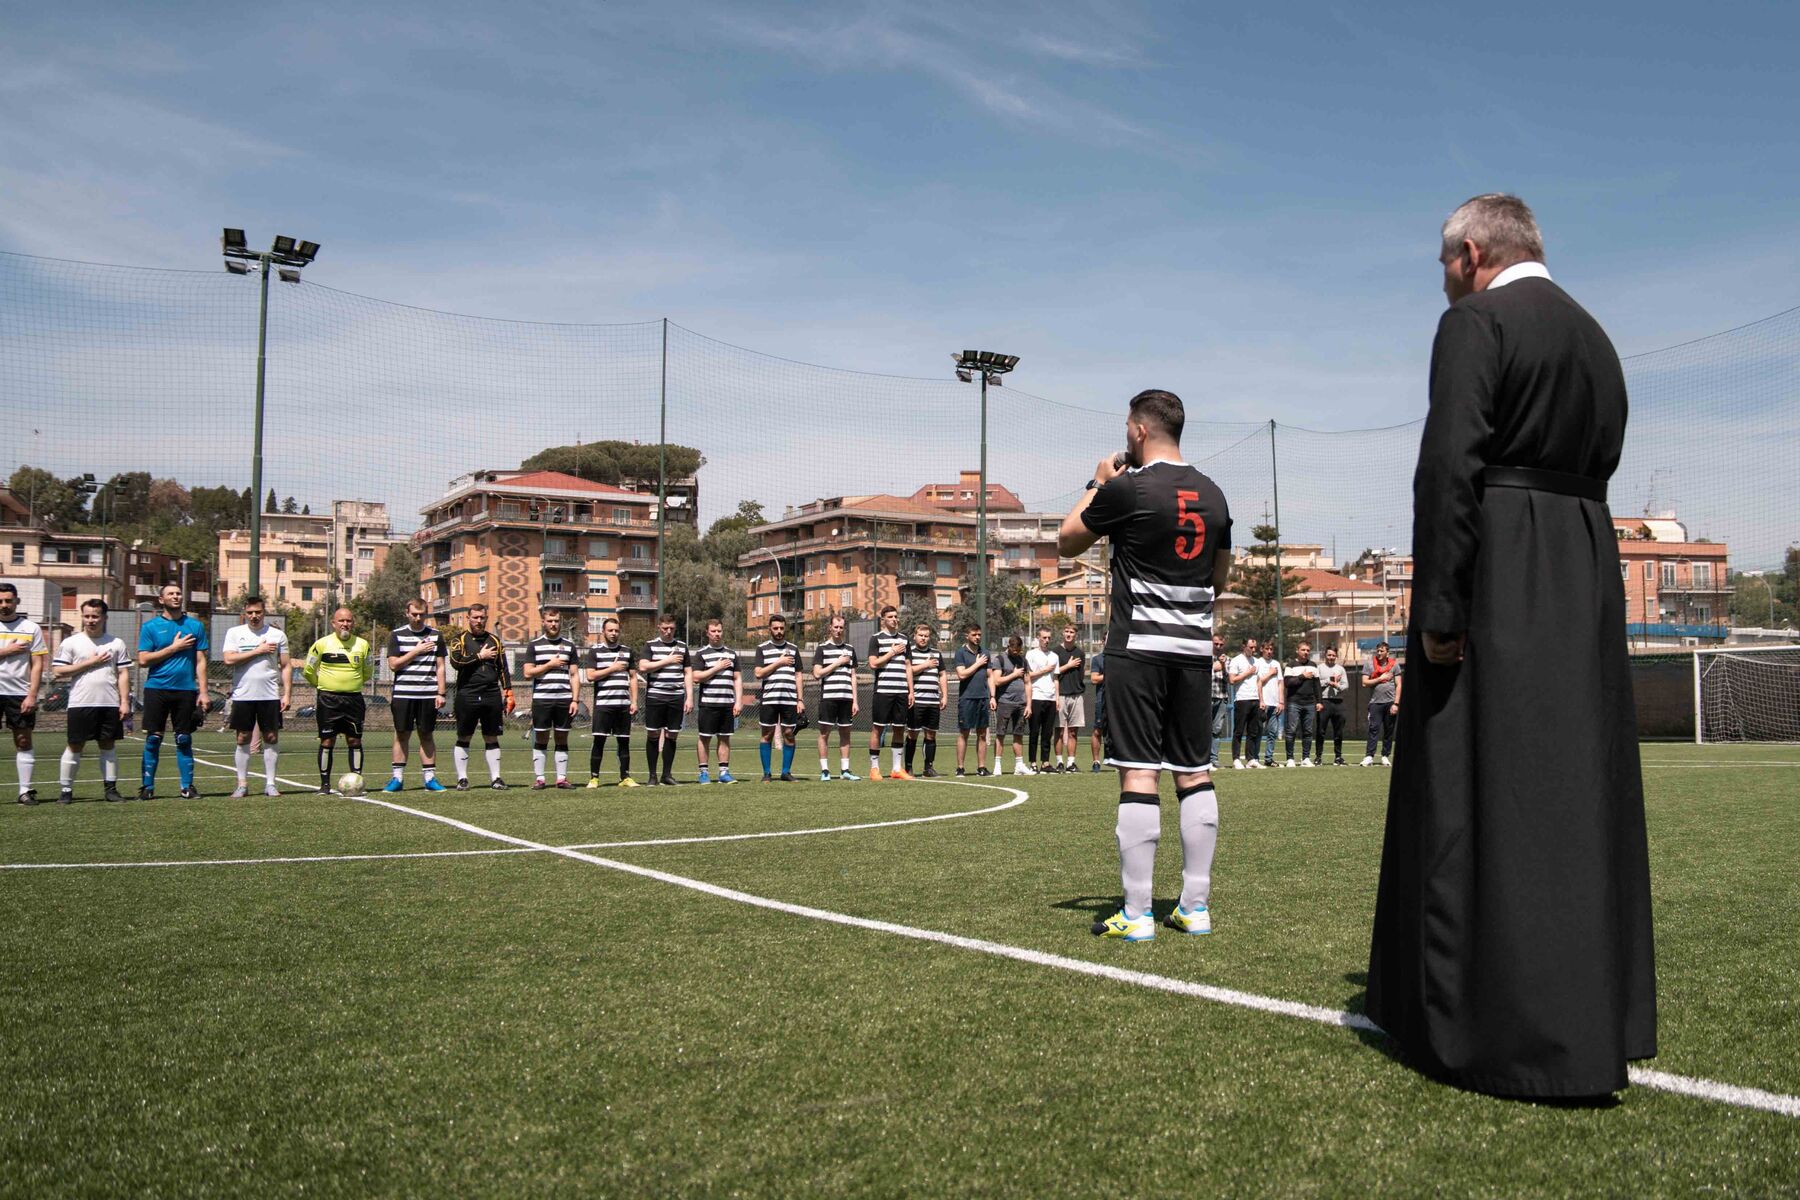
column 1044, row 686
column 99, row 687
column 259, row 678
column 1246, row 687
column 1332, row 682
column 15, row 669
column 1271, row 690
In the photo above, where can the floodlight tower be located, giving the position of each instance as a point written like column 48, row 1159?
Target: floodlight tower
column 990, row 366
column 286, row 257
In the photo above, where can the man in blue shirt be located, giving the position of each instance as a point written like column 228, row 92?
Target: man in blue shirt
column 172, row 648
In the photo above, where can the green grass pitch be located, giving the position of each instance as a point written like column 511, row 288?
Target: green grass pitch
column 520, row 1022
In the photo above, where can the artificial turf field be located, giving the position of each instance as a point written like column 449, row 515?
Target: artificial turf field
column 516, row 1021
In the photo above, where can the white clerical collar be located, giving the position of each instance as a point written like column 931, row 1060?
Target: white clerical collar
column 1524, row 270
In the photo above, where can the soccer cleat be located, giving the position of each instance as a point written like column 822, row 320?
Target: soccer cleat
column 875, row 773
column 65, row 797
column 1096, row 768
column 1338, row 762
column 704, row 777
column 1368, row 761
column 325, row 790
column 1386, row 761
column 725, row 776
column 1190, row 920
column 239, row 792
column 960, row 772
column 145, row 793
column 668, row 779
column 112, row 795
column 983, row 773
column 930, row 773
column 593, row 781
column 394, row 785
column 765, row 777
column 627, row 781
column 847, row 777
column 564, row 784
column 28, row 797
column 271, row 791
column 901, row 774
column 786, row 777
column 1130, row 929
column 190, row 793
column 462, row 785
column 537, row 785
column 432, row 785
column 824, row 776
column 499, row 785
column 652, row 781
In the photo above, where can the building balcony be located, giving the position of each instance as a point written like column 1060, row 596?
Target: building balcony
column 563, row 600
column 562, row 562
column 637, row 566
column 915, row 576
column 636, row 602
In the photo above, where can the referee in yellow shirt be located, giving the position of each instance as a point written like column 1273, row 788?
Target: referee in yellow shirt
column 339, row 666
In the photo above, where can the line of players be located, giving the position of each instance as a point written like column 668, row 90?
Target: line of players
column 1256, row 699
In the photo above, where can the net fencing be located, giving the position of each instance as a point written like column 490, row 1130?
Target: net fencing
column 109, row 370
column 1748, row 695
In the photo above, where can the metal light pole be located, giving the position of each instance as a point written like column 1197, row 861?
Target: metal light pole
column 287, row 257
column 990, row 366
column 662, row 472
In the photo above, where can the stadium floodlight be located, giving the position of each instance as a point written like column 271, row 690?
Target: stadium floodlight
column 233, row 239
column 283, row 244
column 288, row 275
column 307, row 251
column 237, row 267
column 990, row 365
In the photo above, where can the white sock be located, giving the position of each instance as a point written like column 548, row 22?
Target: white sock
column 844, row 763
column 898, row 760
column 25, row 760
column 562, row 764
column 109, row 765
column 70, row 762
column 429, row 771
column 874, row 761
column 400, row 772
column 1199, row 837
column 537, row 762
column 493, row 761
column 241, row 756
column 1139, row 829
column 270, row 754
column 462, row 762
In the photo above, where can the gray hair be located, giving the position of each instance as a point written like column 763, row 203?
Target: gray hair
column 1501, row 225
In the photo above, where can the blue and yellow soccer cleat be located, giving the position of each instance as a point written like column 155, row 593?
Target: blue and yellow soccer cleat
column 1130, row 929
column 432, row 785
column 1190, row 920
column 394, row 785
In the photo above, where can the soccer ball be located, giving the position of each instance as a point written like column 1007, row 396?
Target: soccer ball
column 351, row 784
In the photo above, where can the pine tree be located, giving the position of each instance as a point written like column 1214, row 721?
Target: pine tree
column 1256, row 580
column 271, row 504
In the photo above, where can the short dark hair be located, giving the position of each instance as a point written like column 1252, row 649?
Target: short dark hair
column 1160, row 409
column 9, row 589
column 547, row 609
column 921, row 625
column 971, row 627
column 886, row 609
column 249, row 600
column 94, row 603
column 478, row 606
column 665, row 616
column 774, row 617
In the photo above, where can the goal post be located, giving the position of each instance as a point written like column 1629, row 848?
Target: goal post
column 1747, row 694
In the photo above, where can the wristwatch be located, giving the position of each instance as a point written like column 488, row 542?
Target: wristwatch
column 1092, row 484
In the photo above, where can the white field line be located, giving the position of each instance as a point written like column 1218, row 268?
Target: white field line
column 1718, row 766
column 255, row 862
column 1705, row 1089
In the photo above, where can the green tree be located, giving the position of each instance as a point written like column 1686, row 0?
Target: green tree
column 382, row 600
column 122, row 500
column 289, row 506
column 729, row 538
column 171, row 502
column 271, row 504
column 216, row 508
column 1010, row 606
column 630, row 464
column 695, row 592
column 57, row 502
column 1257, row 580
column 919, row 612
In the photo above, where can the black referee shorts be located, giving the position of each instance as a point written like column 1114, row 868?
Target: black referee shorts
column 487, row 711
column 340, row 712
column 1158, row 717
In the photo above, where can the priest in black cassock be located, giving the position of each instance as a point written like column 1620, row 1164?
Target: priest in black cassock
column 1512, row 946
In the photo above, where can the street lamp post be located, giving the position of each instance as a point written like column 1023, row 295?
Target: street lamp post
column 990, row 366
column 286, row 257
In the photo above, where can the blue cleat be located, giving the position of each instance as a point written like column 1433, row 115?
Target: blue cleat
column 432, row 785
column 394, row 785
column 725, row 777
column 703, row 777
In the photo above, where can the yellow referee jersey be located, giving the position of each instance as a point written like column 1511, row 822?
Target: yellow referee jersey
column 336, row 665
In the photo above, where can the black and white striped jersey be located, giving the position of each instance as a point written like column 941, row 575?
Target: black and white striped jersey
column 891, row 679
column 558, row 684
column 782, row 685
column 928, row 683
column 841, row 683
column 417, row 680
column 670, row 682
column 614, row 691
column 720, row 689
column 1167, row 524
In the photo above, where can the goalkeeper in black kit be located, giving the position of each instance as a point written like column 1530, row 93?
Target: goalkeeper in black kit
column 483, row 694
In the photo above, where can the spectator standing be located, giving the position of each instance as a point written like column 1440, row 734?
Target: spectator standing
column 1333, row 681
column 974, row 700
column 1221, row 698
column 1301, row 683
column 1273, row 700
column 1097, row 677
column 1040, row 675
column 1246, row 690
column 1011, row 706
column 1384, row 705
column 1071, row 696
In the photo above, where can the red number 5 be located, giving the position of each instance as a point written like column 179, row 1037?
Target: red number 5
column 1186, row 547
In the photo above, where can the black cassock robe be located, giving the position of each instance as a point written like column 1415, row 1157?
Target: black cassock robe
column 1512, row 946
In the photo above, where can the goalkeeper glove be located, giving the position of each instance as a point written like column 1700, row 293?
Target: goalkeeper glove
column 507, row 694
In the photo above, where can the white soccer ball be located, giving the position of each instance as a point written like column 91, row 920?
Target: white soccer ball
column 351, row 784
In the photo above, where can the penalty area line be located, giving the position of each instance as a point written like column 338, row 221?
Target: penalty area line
column 1683, row 1085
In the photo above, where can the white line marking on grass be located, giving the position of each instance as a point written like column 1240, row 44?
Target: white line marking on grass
column 1744, row 762
column 1705, row 1089
column 252, row 862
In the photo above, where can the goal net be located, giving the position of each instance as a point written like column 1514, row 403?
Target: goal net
column 1747, row 694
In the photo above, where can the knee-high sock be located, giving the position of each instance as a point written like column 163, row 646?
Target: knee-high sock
column 492, row 754
column 184, row 758
column 537, row 761
column 71, row 762
column 1199, row 836
column 596, row 752
column 767, row 752
column 356, row 759
column 109, row 765
column 930, row 752
column 25, row 760
column 241, row 758
column 652, row 748
column 270, row 754
column 668, row 753
column 562, row 762
column 461, row 756
column 325, row 756
column 624, row 756
column 912, row 745
column 153, row 755
column 787, row 757
column 1140, row 826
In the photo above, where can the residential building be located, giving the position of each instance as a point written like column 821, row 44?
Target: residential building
column 965, row 495
column 519, row 539
column 1677, row 589
column 297, row 560
column 87, row 566
column 360, row 539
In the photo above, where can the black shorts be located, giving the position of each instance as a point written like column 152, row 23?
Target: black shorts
column 165, row 706
column 551, row 714
column 971, row 713
column 924, row 716
column 254, row 714
column 1158, row 717
column 834, row 714
column 487, row 711
column 415, row 712
column 889, row 710
column 16, row 718
column 716, row 720
column 663, row 715
column 1009, row 718
column 340, row 712
column 612, row 722
column 785, row 715
column 99, row 724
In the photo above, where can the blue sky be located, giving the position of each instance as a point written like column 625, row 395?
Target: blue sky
column 1239, row 204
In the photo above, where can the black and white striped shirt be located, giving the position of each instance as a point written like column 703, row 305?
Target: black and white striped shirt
column 891, row 679
column 928, row 684
column 670, row 682
column 1167, row 525
column 417, row 680
column 553, row 685
column 720, row 691
column 841, row 683
column 782, row 685
column 614, row 691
